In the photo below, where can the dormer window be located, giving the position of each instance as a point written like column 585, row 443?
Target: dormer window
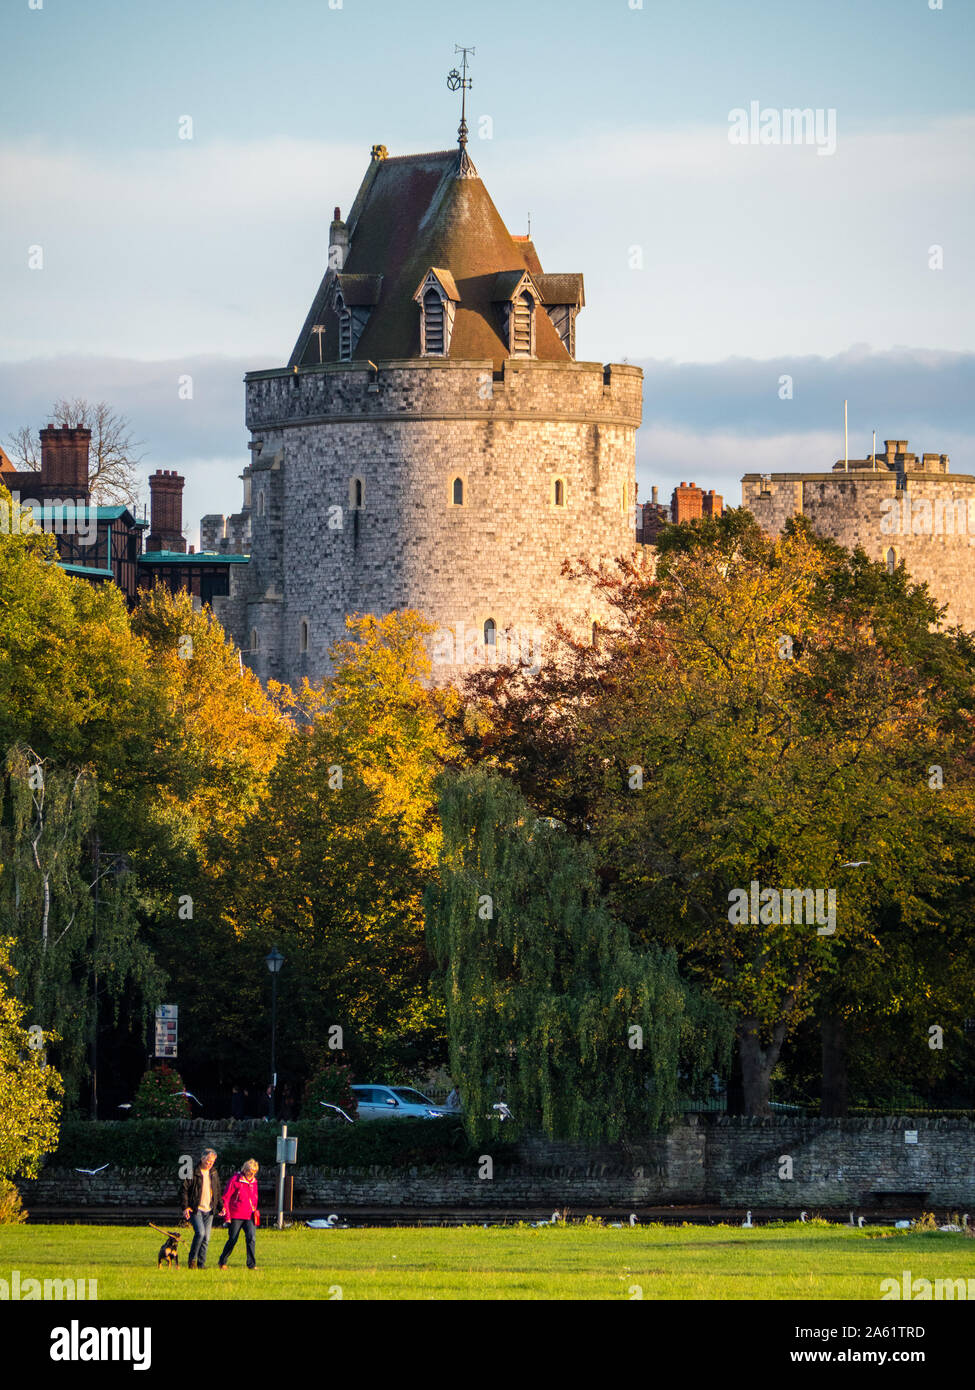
column 519, row 299
column 522, row 324
column 353, row 299
column 345, row 330
column 437, row 297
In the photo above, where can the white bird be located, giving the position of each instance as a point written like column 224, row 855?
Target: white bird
column 633, row 1219
column 856, row 864
column 503, row 1112
column 861, row 1221
column 802, row 1216
column 190, row 1095
column 92, row 1171
column 328, row 1106
column 950, row 1227
column 125, row 1105
column 902, row 1225
column 747, row 1223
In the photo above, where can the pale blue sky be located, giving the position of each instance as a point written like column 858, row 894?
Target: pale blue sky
column 610, row 126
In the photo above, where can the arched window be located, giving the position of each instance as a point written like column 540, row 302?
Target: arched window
column 433, row 323
column 558, row 493
column 521, row 325
column 358, row 493
column 458, row 492
column 891, row 562
column 490, row 633
column 303, row 646
column 253, row 639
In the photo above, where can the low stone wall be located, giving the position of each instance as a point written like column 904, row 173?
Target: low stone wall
column 835, row 1162
column 715, row 1160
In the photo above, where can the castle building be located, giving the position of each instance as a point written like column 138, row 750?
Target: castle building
column 433, row 441
column 108, row 544
column 896, row 506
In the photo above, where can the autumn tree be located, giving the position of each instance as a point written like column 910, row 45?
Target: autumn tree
column 334, row 861
column 30, row 1088
column 762, row 712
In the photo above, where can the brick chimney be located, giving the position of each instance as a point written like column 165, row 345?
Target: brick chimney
column 713, row 503
column 166, row 511
column 64, row 462
column 686, row 503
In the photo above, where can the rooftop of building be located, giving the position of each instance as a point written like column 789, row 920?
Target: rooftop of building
column 412, row 214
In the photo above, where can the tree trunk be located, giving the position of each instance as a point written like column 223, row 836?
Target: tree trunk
column 757, row 1063
column 835, row 1093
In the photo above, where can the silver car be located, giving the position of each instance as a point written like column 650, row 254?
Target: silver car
column 394, row 1102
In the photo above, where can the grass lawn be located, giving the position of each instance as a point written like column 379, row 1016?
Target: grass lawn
column 515, row 1262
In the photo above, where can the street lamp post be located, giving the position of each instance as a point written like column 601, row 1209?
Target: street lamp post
column 274, row 961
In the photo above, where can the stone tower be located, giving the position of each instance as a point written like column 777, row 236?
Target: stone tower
column 433, row 443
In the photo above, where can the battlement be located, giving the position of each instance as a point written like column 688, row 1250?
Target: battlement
column 440, row 389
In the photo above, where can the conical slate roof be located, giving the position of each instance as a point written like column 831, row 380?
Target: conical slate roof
column 412, row 214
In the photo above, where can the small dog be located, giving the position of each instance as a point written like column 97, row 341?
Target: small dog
column 169, row 1250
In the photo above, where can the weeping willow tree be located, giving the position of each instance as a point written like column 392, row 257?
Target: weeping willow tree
column 550, row 1006
column 72, row 916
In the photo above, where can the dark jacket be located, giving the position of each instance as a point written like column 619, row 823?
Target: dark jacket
column 192, row 1188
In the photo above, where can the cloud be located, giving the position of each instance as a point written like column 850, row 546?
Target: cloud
column 703, row 422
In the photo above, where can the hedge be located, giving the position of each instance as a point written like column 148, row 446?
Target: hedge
column 329, row 1144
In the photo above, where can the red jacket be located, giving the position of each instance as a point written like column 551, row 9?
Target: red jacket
column 240, row 1198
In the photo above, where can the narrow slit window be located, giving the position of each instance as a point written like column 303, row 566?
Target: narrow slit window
column 490, row 633
column 304, row 634
column 458, row 492
column 559, row 493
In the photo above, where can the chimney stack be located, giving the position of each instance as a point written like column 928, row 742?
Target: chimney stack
column 64, row 462
column 166, row 511
column 653, row 495
column 338, row 242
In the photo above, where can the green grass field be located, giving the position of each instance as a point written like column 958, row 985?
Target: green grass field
column 575, row 1261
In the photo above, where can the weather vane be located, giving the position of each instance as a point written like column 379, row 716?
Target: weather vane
column 459, row 81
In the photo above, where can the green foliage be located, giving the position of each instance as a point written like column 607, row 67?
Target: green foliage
column 543, row 987
column 325, row 1144
column 75, row 923
column 332, row 1082
column 123, row 1143
column 157, row 1095
column 30, row 1089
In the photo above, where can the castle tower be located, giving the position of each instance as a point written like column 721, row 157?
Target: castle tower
column 433, row 442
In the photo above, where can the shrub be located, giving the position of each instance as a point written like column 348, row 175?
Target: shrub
column 332, row 1082
column 11, row 1206
column 158, row 1095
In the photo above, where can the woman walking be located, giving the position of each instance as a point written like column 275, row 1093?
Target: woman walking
column 240, row 1200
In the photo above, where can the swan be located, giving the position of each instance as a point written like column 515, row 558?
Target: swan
column 802, row 1216
column 747, row 1223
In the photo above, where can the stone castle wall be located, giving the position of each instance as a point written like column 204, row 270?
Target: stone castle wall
column 926, row 518
column 405, row 431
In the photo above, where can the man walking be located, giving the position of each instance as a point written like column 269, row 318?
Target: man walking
column 201, row 1200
